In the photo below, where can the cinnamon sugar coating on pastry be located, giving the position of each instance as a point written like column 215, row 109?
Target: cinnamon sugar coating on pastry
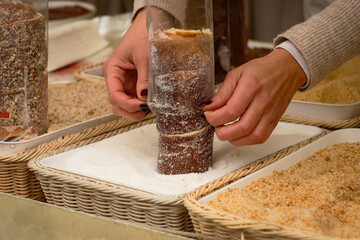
column 186, row 153
column 183, row 72
column 173, row 50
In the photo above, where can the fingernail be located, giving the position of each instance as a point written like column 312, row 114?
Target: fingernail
column 205, row 103
column 145, row 108
column 144, row 93
column 148, row 112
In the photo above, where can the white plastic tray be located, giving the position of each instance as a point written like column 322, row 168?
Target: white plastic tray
column 130, row 159
column 339, row 136
column 15, row 147
column 323, row 111
column 55, row 4
column 95, row 72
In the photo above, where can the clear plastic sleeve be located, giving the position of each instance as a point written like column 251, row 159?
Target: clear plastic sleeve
column 181, row 80
column 182, row 43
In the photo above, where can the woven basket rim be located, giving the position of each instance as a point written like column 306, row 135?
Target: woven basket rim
column 234, row 176
column 101, row 185
column 233, row 222
column 61, row 141
column 331, row 124
column 79, row 74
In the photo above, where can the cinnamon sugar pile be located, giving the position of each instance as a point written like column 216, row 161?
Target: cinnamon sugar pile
column 340, row 87
column 76, row 102
column 320, row 194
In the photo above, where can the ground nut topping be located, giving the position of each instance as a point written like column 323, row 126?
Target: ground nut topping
column 320, row 194
column 76, row 102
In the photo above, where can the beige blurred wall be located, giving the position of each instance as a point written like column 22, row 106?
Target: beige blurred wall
column 112, row 7
column 267, row 18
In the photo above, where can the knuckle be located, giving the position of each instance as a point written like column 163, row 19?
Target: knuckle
column 220, row 135
column 136, row 118
column 220, row 94
column 236, row 143
column 230, row 74
column 267, row 100
column 244, row 128
column 112, row 99
column 234, row 73
column 232, row 113
column 105, row 66
column 116, row 111
column 259, row 137
column 143, row 79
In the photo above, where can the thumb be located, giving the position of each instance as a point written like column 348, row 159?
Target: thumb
column 142, row 67
column 223, row 94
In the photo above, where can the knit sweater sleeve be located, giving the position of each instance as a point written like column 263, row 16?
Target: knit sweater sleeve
column 328, row 38
column 174, row 7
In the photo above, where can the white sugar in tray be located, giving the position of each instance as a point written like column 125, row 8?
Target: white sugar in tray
column 130, row 158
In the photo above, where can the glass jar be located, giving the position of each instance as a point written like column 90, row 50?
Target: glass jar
column 23, row 63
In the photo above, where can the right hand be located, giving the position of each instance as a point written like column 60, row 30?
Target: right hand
column 126, row 72
column 253, row 98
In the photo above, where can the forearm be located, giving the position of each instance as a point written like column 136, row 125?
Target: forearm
column 174, row 7
column 328, row 39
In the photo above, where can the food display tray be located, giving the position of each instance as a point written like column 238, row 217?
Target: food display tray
column 66, row 4
column 102, row 190
column 330, row 116
column 19, row 146
column 15, row 176
column 212, row 222
column 323, row 111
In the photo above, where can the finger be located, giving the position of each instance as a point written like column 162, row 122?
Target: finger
column 260, row 134
column 142, row 66
column 140, row 57
column 238, row 103
column 134, row 116
column 267, row 123
column 248, row 120
column 117, row 95
column 223, row 94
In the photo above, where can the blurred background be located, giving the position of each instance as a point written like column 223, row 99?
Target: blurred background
column 265, row 18
column 249, row 31
column 111, row 7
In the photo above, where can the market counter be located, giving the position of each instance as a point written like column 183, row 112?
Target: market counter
column 21, row 218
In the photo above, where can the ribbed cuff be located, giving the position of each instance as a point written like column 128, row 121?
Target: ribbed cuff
column 299, row 57
column 175, row 7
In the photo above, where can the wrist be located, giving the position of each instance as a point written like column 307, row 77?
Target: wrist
column 292, row 68
column 299, row 57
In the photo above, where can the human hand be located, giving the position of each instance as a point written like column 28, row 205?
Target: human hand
column 126, row 72
column 257, row 93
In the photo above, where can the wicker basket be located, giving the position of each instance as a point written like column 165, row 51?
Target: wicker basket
column 211, row 222
column 17, row 179
column 106, row 199
column 332, row 124
column 117, row 201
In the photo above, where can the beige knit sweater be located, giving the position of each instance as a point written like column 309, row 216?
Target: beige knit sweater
column 326, row 40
